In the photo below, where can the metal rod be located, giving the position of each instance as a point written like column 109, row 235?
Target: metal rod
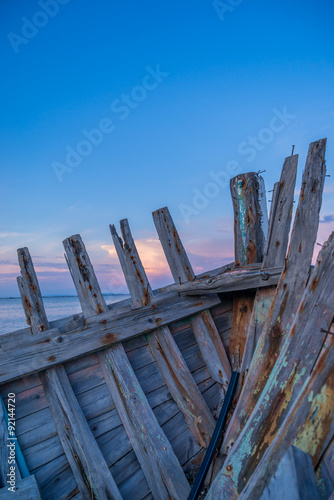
column 215, row 440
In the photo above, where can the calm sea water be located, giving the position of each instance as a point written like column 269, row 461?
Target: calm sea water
column 12, row 316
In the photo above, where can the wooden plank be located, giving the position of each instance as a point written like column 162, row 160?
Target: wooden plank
column 325, row 471
column 162, row 344
column 250, row 231
column 242, row 313
column 274, row 256
column 288, row 294
column 84, row 456
column 281, row 215
column 308, row 425
column 296, row 361
column 203, row 326
column 25, row 489
column 155, row 454
column 233, row 281
column 294, row 478
column 22, row 353
column 250, row 218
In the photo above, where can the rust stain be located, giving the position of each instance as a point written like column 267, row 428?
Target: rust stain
column 99, row 309
column 109, row 338
column 277, row 244
column 300, row 247
column 314, row 284
column 176, row 241
column 103, row 322
column 52, row 358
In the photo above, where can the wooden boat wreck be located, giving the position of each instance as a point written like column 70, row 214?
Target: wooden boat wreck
column 121, row 401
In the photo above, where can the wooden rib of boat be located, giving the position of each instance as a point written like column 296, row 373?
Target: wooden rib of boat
column 121, row 400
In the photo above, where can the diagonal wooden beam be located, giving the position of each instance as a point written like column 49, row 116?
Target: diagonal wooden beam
column 203, row 326
column 162, row 470
column 22, row 353
column 236, row 280
column 83, row 453
column 308, row 425
column 167, row 355
column 297, row 360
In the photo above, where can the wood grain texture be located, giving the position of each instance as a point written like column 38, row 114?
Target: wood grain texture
column 281, row 215
column 294, row 478
column 22, row 353
column 250, row 218
column 274, row 256
column 203, row 326
column 163, row 347
column 301, row 349
column 25, row 489
column 155, row 455
column 233, row 281
column 83, row 454
column 242, row 314
column 288, row 294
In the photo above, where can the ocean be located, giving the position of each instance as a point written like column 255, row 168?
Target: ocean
column 12, row 316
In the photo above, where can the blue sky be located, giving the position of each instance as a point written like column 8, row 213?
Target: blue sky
column 196, row 84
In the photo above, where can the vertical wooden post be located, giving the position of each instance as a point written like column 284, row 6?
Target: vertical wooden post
column 203, row 326
column 250, row 218
column 274, row 256
column 160, row 466
column 83, row 453
column 167, row 355
column 250, row 229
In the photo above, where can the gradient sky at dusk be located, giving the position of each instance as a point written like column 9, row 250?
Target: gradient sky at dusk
column 224, row 76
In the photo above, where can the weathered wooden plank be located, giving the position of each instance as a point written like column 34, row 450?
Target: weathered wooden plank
column 308, row 425
column 289, row 291
column 294, row 478
column 4, row 465
column 281, row 215
column 25, row 489
column 274, row 256
column 295, row 362
column 242, row 313
column 155, row 454
column 22, row 353
column 250, row 218
column 162, row 344
column 203, row 326
column 233, row 281
column 84, row 456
